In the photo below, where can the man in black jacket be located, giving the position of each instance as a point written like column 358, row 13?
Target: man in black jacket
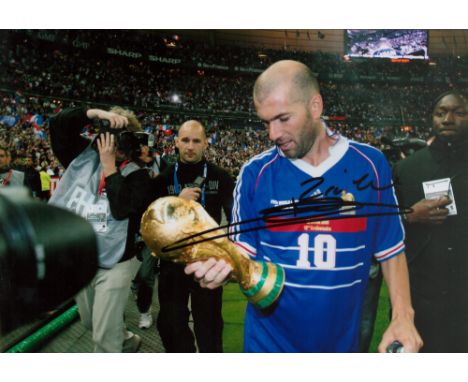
column 112, row 196
column 32, row 177
column 434, row 182
column 143, row 283
column 175, row 287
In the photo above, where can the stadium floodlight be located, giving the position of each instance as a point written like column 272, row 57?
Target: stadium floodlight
column 175, row 98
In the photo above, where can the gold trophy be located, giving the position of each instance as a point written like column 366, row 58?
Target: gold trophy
column 179, row 230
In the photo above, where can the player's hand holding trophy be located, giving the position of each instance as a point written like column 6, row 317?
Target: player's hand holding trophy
column 179, row 230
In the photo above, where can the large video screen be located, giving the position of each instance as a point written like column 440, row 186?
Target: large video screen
column 387, row 43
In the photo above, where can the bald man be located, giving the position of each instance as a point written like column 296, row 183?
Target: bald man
column 175, row 287
column 326, row 260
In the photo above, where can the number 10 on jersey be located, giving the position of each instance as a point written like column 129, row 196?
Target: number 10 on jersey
column 324, row 251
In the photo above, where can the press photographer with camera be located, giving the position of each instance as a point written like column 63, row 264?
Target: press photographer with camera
column 143, row 283
column 105, row 183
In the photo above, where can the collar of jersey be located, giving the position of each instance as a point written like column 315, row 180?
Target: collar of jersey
column 336, row 152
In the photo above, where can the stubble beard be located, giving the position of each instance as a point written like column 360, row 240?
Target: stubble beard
column 307, row 138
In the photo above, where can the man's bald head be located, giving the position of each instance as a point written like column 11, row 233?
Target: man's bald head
column 191, row 141
column 298, row 77
column 192, row 124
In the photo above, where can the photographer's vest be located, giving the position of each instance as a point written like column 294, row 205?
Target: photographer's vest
column 12, row 178
column 80, row 191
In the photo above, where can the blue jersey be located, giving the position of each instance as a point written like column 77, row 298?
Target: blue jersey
column 327, row 259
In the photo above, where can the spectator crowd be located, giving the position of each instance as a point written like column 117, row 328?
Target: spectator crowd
column 44, row 71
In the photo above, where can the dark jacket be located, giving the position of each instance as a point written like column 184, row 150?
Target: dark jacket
column 128, row 196
column 438, row 254
column 219, row 186
column 32, row 180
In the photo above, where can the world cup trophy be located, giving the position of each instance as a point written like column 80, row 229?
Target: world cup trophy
column 181, row 231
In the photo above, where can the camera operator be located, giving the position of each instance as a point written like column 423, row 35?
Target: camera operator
column 153, row 160
column 143, row 283
column 33, row 178
column 104, row 183
column 214, row 192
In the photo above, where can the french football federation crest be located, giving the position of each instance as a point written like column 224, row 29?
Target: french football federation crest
column 347, row 209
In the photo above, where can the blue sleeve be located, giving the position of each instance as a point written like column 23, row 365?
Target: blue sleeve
column 243, row 212
column 389, row 238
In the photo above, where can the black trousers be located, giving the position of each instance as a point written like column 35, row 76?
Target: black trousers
column 174, row 289
column 143, row 283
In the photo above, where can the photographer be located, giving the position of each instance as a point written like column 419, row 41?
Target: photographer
column 152, row 161
column 105, row 184
column 143, row 283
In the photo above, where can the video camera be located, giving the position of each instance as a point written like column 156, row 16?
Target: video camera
column 126, row 141
column 41, row 264
column 401, row 147
column 140, row 137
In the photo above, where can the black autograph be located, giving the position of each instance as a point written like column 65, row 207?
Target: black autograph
column 317, row 182
column 317, row 207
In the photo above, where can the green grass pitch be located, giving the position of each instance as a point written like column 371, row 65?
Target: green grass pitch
column 234, row 304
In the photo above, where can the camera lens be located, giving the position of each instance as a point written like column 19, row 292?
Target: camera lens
column 41, row 263
column 104, row 124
